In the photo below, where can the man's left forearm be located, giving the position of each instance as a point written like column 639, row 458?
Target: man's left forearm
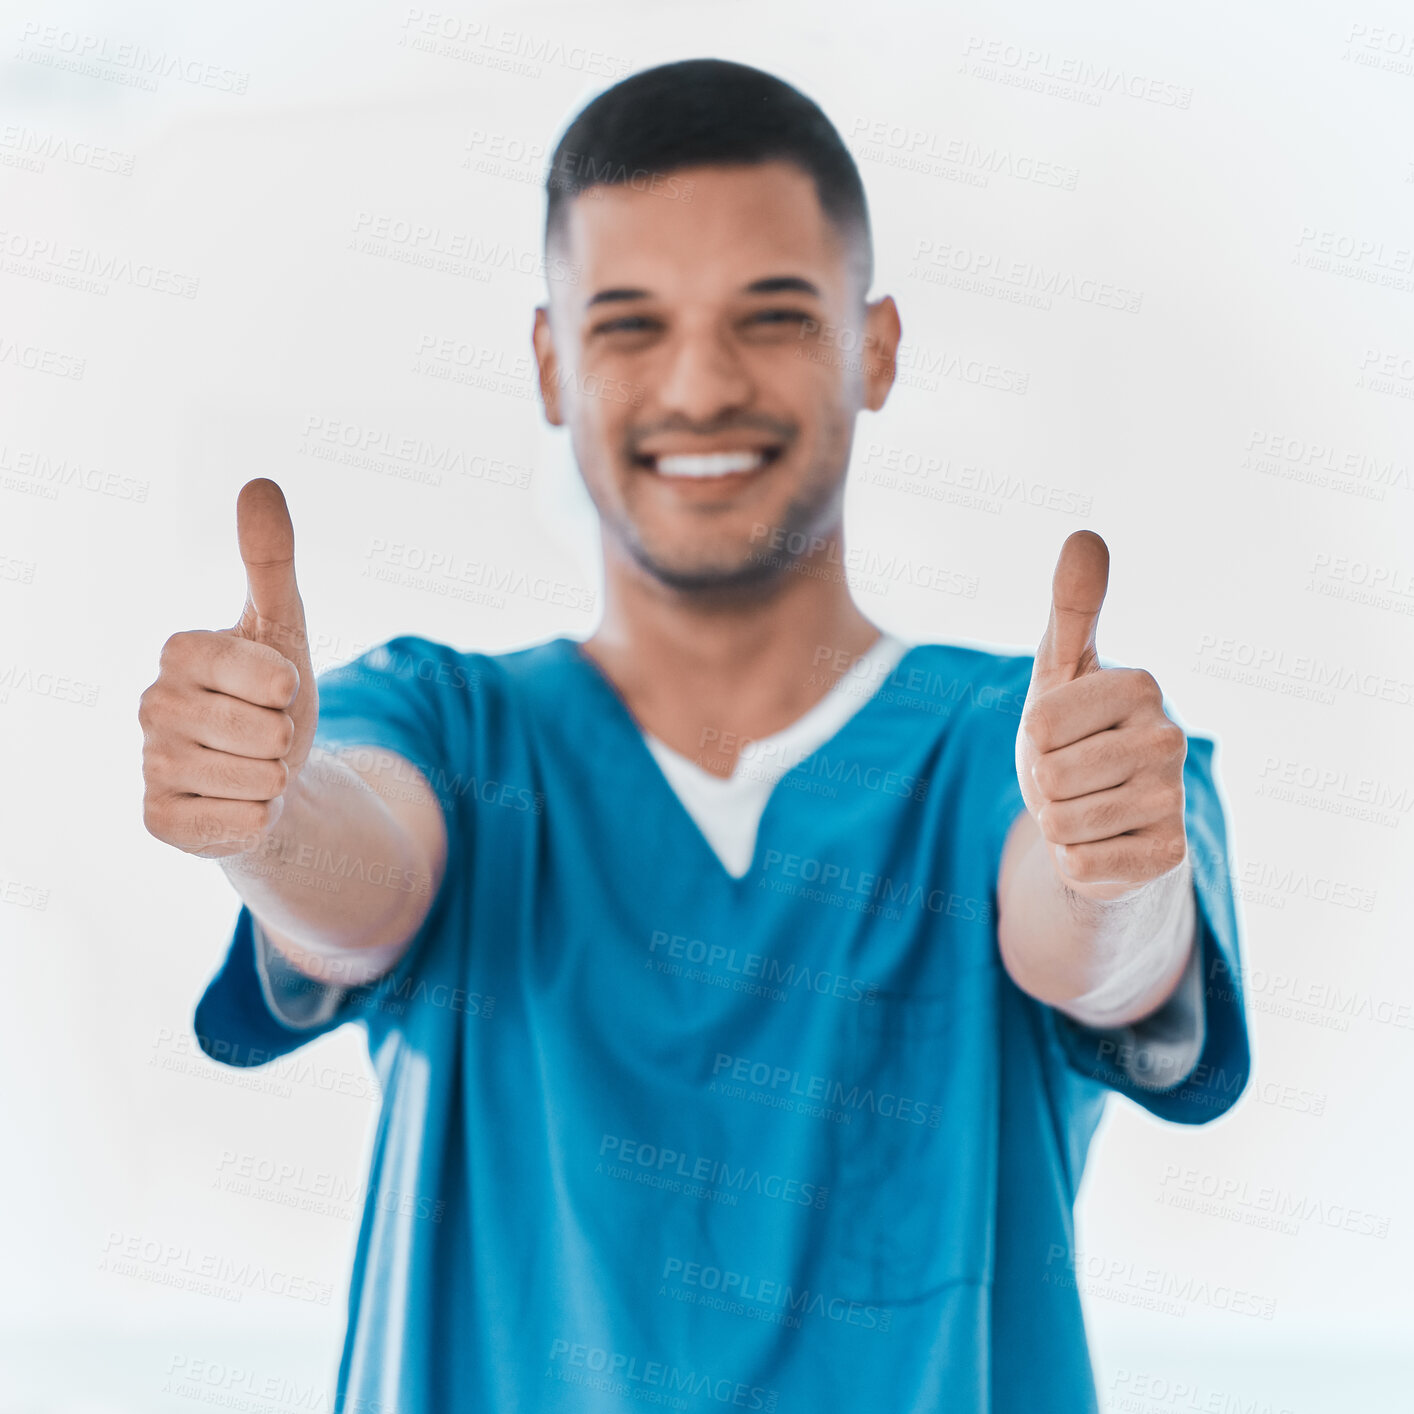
column 1103, row 962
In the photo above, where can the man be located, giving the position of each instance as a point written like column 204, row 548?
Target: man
column 744, row 984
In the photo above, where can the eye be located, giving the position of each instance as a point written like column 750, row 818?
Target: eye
column 779, row 317
column 626, row 324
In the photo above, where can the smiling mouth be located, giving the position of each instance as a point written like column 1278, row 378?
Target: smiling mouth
column 700, row 466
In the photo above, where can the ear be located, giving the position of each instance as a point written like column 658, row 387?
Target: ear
column 548, row 365
column 882, row 332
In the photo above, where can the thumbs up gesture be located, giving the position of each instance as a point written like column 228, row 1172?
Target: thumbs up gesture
column 1099, row 762
column 230, row 719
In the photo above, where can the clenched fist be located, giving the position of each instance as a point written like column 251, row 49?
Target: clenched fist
column 230, row 719
column 1099, row 761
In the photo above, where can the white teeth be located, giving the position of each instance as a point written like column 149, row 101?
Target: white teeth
column 710, row 464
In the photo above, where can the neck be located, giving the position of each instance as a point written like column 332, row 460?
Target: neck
column 705, row 673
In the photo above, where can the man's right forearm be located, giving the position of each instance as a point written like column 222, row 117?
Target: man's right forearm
column 338, row 885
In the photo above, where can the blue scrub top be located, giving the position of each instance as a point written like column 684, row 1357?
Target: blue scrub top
column 656, row 1136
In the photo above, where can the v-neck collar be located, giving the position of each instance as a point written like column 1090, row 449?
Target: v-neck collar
column 787, row 739
column 572, row 654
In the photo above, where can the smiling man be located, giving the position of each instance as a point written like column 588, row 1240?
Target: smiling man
column 744, row 983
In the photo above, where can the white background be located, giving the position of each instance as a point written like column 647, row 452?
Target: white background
column 117, row 495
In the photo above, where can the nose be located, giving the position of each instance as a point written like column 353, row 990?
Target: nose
column 703, row 377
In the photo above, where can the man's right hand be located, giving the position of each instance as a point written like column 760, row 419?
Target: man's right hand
column 230, row 719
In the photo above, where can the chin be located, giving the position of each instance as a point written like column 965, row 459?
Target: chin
column 746, row 569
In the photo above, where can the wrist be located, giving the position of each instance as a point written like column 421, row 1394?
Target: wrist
column 1145, row 957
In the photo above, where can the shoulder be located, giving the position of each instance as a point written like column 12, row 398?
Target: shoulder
column 412, row 659
column 966, row 679
column 453, row 684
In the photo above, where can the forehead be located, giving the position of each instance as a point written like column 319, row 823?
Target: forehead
column 705, row 229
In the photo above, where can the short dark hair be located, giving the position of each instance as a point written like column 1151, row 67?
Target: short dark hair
column 705, row 112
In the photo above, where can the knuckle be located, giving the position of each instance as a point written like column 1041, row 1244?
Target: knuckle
column 177, row 650
column 1169, row 742
column 1037, row 724
column 1082, row 866
column 1146, row 685
column 154, row 705
column 154, row 817
column 283, row 680
column 284, row 734
column 1045, row 778
column 156, row 760
column 274, row 776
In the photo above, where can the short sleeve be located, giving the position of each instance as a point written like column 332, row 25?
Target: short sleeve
column 1215, row 1082
column 406, row 696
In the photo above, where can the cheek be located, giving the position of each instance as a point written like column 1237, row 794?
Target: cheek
column 597, row 433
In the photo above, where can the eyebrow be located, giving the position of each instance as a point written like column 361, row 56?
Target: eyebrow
column 771, row 285
column 780, row 284
column 609, row 296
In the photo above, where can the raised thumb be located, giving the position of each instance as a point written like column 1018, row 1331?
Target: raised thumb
column 1067, row 649
column 267, row 544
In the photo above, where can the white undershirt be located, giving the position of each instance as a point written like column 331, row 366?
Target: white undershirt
column 728, row 809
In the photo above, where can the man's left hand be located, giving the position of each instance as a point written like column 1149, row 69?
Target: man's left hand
column 1099, row 761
